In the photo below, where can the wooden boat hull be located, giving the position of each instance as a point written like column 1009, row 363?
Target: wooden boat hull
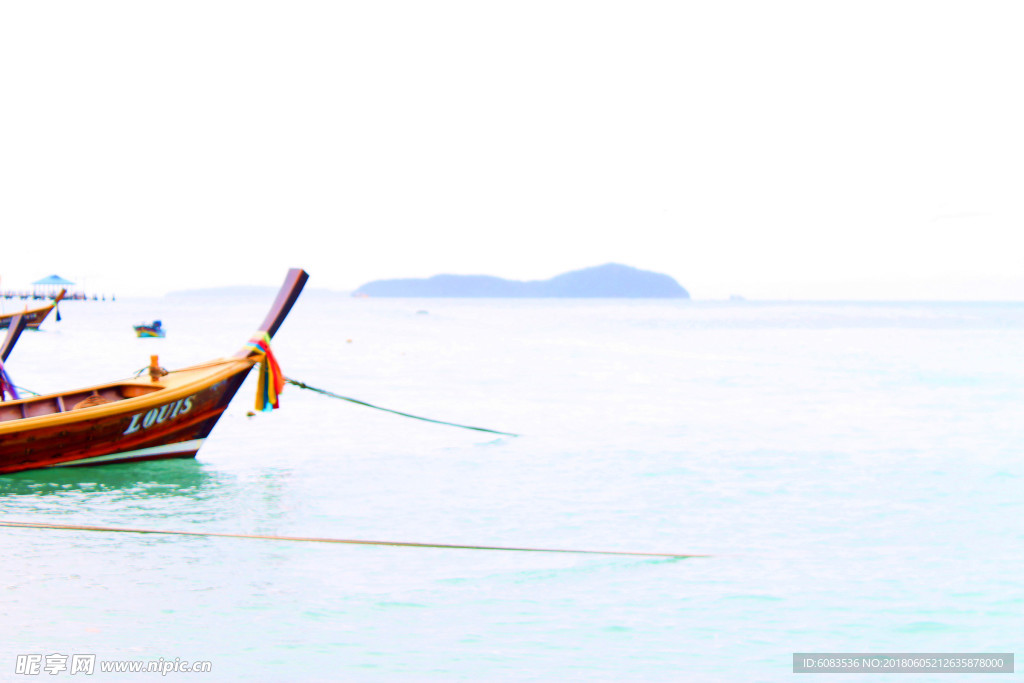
column 34, row 317
column 163, row 422
column 164, row 415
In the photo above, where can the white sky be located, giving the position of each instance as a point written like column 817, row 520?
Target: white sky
column 771, row 149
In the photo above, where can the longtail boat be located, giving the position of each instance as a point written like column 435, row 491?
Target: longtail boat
column 153, row 329
column 34, row 317
column 164, row 415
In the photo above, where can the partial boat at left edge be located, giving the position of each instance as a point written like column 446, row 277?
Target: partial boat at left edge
column 168, row 415
column 34, row 317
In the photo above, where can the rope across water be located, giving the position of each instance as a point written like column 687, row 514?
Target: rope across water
column 310, row 539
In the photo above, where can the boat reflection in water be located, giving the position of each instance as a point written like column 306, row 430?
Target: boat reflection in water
column 160, row 493
column 187, row 478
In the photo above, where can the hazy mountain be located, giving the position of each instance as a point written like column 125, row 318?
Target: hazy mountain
column 611, row 280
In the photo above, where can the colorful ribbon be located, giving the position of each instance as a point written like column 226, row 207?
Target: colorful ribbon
column 6, row 385
column 271, row 379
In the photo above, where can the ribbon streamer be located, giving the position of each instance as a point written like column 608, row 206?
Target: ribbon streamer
column 271, row 379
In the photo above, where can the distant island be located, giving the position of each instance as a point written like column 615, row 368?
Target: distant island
column 611, row 280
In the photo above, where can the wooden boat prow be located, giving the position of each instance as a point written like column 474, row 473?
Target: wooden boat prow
column 286, row 298
column 167, row 415
column 17, row 326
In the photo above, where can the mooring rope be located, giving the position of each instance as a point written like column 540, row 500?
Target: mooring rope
column 305, row 539
column 303, row 385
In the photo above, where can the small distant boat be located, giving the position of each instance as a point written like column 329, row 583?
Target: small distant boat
column 165, row 415
column 154, row 329
column 34, row 317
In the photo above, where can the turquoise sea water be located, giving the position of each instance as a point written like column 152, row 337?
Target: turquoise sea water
column 854, row 470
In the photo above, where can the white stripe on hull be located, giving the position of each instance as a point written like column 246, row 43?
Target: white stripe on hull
column 179, row 448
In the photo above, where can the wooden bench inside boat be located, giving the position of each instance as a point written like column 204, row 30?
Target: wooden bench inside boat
column 76, row 400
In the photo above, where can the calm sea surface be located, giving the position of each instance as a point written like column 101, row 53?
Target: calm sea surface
column 855, row 471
